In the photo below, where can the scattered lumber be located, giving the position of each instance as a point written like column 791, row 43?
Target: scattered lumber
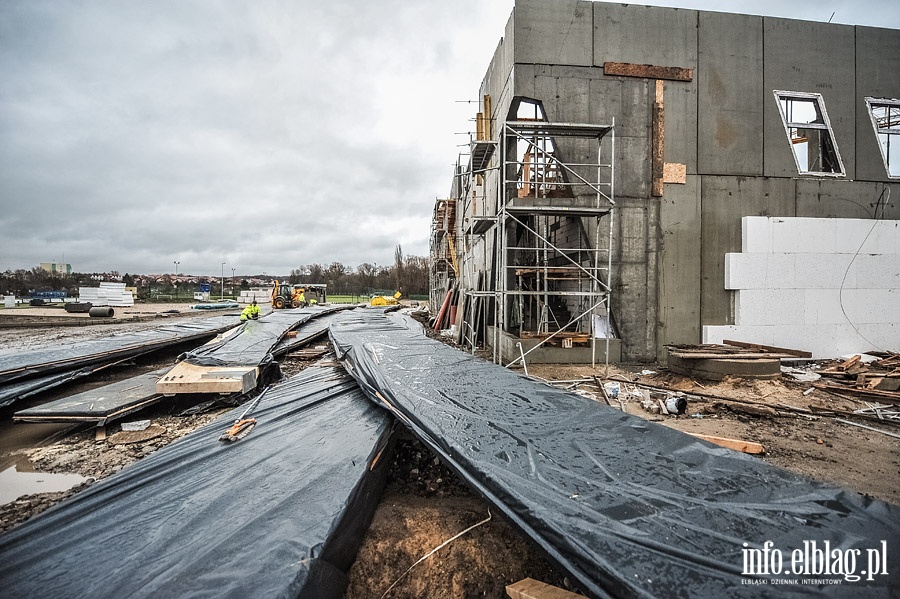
column 735, row 444
column 769, row 348
column 853, row 391
column 529, row 588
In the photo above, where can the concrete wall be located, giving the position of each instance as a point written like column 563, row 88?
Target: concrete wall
column 724, row 125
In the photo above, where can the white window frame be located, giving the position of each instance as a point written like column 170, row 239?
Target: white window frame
column 893, row 135
column 825, row 126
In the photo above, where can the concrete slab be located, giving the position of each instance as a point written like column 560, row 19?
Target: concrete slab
column 724, row 202
column 827, row 53
column 665, row 37
column 562, row 29
column 877, row 65
column 718, row 369
column 836, row 199
column 730, row 100
column 679, row 265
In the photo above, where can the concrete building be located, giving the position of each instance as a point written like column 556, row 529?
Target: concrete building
column 619, row 149
column 57, row 267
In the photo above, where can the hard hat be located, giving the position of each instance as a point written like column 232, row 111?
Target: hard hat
column 253, row 303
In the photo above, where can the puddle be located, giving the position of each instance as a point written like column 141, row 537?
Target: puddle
column 14, row 484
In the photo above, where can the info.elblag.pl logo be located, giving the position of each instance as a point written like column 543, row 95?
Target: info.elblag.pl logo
column 816, row 560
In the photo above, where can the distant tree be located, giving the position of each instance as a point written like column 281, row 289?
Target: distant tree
column 416, row 275
column 366, row 277
column 316, row 273
column 398, row 268
column 128, row 280
column 334, row 278
column 245, row 284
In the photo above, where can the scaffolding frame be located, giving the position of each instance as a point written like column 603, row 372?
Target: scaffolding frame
column 538, row 171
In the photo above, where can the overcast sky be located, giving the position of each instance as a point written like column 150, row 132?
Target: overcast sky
column 265, row 134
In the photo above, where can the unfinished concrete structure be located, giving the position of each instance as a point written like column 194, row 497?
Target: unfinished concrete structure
column 618, row 148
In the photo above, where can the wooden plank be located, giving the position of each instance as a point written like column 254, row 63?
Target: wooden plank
column 699, row 355
column 889, row 396
column 736, row 444
column 780, row 350
column 657, row 149
column 191, row 378
column 647, row 71
column 529, row 588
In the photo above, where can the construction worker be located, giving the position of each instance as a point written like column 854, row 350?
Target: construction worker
column 251, row 312
column 302, row 298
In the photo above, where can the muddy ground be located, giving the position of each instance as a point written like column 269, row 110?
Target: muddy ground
column 425, row 504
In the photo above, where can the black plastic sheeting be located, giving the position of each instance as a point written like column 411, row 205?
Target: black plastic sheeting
column 626, row 507
column 12, row 392
column 279, row 513
column 99, row 404
column 18, row 365
column 253, row 344
column 306, row 332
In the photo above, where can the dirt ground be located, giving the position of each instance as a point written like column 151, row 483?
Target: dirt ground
column 425, row 504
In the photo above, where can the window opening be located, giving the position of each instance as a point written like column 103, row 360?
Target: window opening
column 885, row 115
column 809, row 133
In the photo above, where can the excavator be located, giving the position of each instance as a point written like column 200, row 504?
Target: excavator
column 285, row 295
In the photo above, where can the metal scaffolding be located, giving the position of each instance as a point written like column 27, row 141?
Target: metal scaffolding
column 526, row 235
column 547, row 285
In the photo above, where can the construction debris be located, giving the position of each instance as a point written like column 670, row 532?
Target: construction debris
column 716, row 361
column 735, row 444
column 877, row 379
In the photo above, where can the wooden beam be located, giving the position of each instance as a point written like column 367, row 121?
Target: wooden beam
column 529, row 588
column 647, row 71
column 736, row 444
column 778, row 350
column 657, row 144
column 191, row 378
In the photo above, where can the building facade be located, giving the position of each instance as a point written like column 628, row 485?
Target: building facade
column 619, row 149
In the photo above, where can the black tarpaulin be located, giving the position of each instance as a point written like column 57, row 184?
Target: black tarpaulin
column 279, row 513
column 100, row 404
column 12, row 392
column 627, row 507
column 306, row 332
column 253, row 344
column 18, row 365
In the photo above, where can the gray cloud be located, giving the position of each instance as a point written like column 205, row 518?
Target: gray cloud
column 264, row 134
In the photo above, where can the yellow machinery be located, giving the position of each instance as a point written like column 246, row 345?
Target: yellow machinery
column 285, row 295
column 386, row 300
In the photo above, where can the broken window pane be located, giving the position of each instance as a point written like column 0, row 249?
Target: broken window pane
column 809, row 133
column 886, row 120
